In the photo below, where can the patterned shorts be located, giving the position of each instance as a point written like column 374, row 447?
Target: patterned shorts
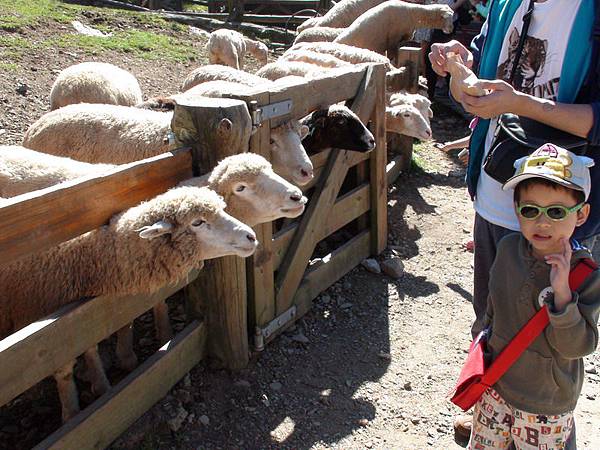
column 497, row 425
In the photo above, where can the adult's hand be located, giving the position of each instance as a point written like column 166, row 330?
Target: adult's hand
column 501, row 99
column 437, row 56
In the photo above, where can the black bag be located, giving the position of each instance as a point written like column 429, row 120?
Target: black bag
column 519, row 136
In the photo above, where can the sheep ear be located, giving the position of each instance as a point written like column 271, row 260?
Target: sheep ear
column 157, row 229
column 303, row 131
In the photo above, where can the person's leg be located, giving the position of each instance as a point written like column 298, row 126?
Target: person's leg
column 486, row 237
column 532, row 431
column 492, row 420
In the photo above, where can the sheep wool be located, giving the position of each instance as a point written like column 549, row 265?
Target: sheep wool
column 100, row 133
column 95, row 82
column 214, row 72
column 342, row 14
column 344, row 52
column 316, row 58
column 280, row 69
column 318, row 34
column 228, row 47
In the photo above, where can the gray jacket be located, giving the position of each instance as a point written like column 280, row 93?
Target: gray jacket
column 547, row 377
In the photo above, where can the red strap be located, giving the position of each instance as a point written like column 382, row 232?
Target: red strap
column 533, row 328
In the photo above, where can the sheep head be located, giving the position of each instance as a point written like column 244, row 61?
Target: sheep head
column 338, row 127
column 288, row 155
column 407, row 120
column 253, row 192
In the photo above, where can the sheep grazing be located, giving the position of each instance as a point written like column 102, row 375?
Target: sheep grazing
column 280, row 69
column 338, row 127
column 407, row 120
column 318, row 34
column 344, row 52
column 213, row 72
column 101, row 133
column 342, row 14
column 288, row 156
column 162, row 239
column 381, row 28
column 228, row 47
column 23, row 170
column 95, row 82
column 315, row 58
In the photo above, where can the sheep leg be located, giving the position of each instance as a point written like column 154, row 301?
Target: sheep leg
column 164, row 332
column 67, row 391
column 98, row 380
column 125, row 355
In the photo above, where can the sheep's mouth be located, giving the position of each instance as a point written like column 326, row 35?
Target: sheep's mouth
column 244, row 250
column 297, row 209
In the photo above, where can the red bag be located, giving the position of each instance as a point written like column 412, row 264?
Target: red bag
column 475, row 379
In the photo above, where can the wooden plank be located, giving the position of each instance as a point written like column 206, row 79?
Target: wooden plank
column 337, row 264
column 38, row 220
column 261, row 280
column 102, row 422
column 379, row 230
column 36, row 351
column 347, row 208
column 258, row 18
column 410, row 57
column 393, row 169
column 355, row 158
column 402, row 146
column 304, row 241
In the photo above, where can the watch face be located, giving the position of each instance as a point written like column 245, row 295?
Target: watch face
column 545, row 295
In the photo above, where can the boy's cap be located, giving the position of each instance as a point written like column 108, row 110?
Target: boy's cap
column 555, row 164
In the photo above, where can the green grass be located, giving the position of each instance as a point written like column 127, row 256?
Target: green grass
column 417, row 164
column 20, row 14
column 12, row 48
column 9, row 67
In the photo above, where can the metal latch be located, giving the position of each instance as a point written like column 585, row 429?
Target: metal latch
column 266, row 112
column 279, row 322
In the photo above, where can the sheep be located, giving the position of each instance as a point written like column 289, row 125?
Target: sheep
column 407, row 120
column 219, row 72
column 101, row 133
column 308, row 23
column 228, row 47
column 422, row 103
column 288, row 156
column 338, row 127
column 344, row 52
column 95, row 82
column 382, row 27
column 166, row 237
column 23, row 170
column 280, row 69
column 315, row 58
column 341, row 15
column 318, row 34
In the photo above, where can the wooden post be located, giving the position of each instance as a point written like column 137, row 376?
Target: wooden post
column 216, row 128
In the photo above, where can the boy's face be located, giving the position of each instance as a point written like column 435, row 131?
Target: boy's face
column 543, row 233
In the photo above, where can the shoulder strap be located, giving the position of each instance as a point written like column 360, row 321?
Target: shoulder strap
column 524, row 31
column 533, row 328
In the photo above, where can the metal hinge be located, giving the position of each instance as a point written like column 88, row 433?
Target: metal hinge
column 266, row 112
column 261, row 334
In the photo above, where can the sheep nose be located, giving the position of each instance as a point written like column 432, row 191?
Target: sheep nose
column 296, row 197
column 251, row 237
column 306, row 173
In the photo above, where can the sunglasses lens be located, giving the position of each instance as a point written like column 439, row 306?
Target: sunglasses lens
column 529, row 212
column 557, row 213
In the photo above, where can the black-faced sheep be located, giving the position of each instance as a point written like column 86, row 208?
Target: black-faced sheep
column 318, row 34
column 141, row 249
column 213, row 72
column 337, row 127
column 228, row 47
column 101, row 133
column 95, row 82
column 381, row 28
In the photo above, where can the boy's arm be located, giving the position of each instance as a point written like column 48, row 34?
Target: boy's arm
column 573, row 332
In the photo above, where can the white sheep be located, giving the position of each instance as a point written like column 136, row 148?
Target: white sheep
column 315, row 58
column 288, row 156
column 163, row 239
column 101, row 133
column 308, row 23
column 318, row 34
column 422, row 103
column 382, row 27
column 95, row 82
column 213, row 72
column 23, row 170
column 344, row 52
column 341, row 15
column 407, row 120
column 280, row 69
column 228, row 47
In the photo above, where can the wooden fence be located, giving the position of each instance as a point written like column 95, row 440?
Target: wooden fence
column 230, row 298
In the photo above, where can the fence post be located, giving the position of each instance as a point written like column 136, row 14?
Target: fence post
column 216, row 128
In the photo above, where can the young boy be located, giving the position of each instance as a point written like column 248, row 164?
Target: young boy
column 531, row 406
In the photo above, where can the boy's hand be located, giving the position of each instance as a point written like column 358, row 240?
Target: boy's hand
column 559, row 275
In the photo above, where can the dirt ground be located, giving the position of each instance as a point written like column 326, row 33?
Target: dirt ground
column 370, row 366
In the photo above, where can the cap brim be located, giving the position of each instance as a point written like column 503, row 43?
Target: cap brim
column 512, row 182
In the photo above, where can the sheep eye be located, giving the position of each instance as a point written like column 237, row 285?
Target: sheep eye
column 240, row 188
column 198, row 222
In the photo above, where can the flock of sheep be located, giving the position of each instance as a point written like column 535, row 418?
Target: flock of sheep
column 98, row 120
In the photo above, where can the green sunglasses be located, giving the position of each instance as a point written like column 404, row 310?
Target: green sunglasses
column 552, row 212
